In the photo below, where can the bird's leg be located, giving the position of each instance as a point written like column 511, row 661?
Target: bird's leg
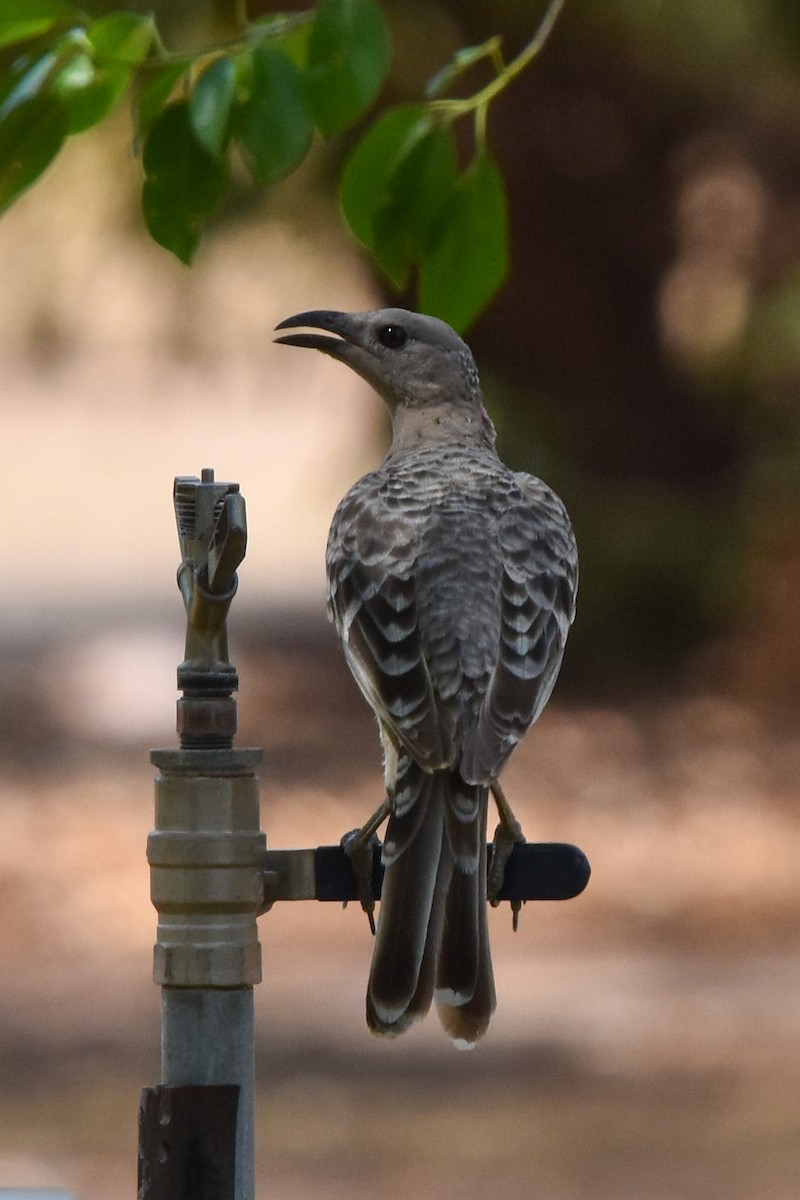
column 358, row 845
column 506, row 836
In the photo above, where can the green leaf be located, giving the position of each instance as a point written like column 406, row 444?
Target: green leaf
column 348, row 54
column 89, row 92
column 469, row 259
column 99, row 71
column 184, row 184
column 294, row 41
column 31, row 135
column 366, row 179
column 155, row 95
column 420, row 191
column 395, row 186
column 171, row 156
column 275, row 125
column 75, row 76
column 210, row 105
column 171, row 227
column 90, row 102
column 23, row 19
column 27, row 79
column 122, row 39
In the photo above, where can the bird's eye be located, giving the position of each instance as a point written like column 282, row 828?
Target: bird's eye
column 392, row 336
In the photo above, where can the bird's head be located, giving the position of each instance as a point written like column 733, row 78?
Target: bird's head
column 415, row 362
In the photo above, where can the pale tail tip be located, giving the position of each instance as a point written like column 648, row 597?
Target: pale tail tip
column 450, row 998
column 387, row 1022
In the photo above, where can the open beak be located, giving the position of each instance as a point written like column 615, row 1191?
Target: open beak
column 343, row 346
column 351, row 344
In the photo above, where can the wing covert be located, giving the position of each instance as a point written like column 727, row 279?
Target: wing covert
column 372, row 597
column 537, row 605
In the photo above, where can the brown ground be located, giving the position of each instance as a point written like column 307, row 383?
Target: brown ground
column 645, row 1045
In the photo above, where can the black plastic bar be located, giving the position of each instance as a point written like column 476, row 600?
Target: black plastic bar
column 534, row 871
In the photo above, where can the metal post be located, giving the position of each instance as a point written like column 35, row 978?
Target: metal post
column 206, row 1039
column 206, row 857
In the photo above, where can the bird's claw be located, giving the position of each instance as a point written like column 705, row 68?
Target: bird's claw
column 507, row 835
column 359, row 850
column 503, row 846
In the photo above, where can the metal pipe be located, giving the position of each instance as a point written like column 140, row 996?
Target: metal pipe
column 206, row 858
column 207, row 1038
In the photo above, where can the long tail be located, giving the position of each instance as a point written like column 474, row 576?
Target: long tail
column 433, row 937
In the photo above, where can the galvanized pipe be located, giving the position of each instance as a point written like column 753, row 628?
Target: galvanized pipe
column 207, row 1038
column 206, row 859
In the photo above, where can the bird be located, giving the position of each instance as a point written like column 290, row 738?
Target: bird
column 451, row 581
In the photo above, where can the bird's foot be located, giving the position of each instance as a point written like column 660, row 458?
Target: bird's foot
column 506, row 836
column 359, row 846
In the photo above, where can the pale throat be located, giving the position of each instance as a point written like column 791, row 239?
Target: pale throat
column 433, row 424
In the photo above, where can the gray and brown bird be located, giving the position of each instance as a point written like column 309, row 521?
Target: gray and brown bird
column 452, row 582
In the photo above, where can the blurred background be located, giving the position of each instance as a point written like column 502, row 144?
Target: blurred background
column 644, row 357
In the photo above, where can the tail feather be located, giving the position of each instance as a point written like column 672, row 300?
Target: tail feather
column 423, row 996
column 407, row 899
column 467, row 1021
column 463, row 823
column 460, row 951
column 457, row 968
column 432, row 937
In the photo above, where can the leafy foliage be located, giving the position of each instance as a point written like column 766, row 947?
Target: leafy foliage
column 184, row 184
column 407, row 198
column 452, row 280
column 348, row 55
column 274, row 123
